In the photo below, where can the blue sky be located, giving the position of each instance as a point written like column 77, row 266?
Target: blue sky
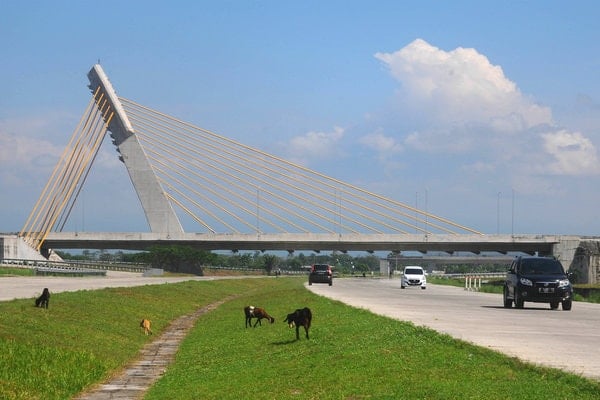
column 486, row 112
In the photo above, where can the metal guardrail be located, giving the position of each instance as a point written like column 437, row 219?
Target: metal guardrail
column 473, row 280
column 49, row 271
column 481, row 274
column 46, row 267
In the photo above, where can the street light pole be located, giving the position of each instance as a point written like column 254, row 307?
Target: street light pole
column 512, row 216
column 498, row 214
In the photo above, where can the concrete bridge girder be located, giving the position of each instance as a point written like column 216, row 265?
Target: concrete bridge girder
column 580, row 255
column 314, row 242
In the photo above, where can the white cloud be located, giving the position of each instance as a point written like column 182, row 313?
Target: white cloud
column 458, row 102
column 315, row 145
column 27, row 153
column 572, row 152
column 460, row 85
column 381, row 143
column 27, row 157
column 28, row 147
column 440, row 140
column 479, row 167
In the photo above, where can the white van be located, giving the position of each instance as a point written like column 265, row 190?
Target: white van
column 414, row 276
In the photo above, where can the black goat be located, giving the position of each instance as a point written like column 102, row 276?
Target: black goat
column 300, row 317
column 44, row 299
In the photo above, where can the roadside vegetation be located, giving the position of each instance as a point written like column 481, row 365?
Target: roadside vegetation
column 587, row 292
column 87, row 336
column 8, row 271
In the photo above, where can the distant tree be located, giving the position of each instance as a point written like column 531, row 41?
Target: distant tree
column 105, row 256
column 68, row 256
column 270, row 261
column 293, row 263
column 233, row 261
column 370, row 261
column 221, row 260
column 302, row 259
column 141, row 257
column 180, row 259
column 362, row 268
column 118, row 255
column 246, row 260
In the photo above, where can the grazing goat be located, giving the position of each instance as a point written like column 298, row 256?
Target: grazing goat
column 300, row 317
column 145, row 325
column 44, row 299
column 258, row 313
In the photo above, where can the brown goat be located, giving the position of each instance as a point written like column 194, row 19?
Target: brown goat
column 145, row 325
column 258, row 313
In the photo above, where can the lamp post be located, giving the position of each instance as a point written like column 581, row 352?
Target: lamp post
column 512, row 214
column 498, row 214
column 258, row 210
column 426, row 212
column 416, row 212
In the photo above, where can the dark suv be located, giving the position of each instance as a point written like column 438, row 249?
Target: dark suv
column 539, row 280
column 320, row 273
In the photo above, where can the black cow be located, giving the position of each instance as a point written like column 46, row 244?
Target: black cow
column 300, row 317
column 44, row 299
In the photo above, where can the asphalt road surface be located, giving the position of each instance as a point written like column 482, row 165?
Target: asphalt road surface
column 569, row 340
column 30, row 287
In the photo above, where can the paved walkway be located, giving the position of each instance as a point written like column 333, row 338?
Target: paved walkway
column 139, row 376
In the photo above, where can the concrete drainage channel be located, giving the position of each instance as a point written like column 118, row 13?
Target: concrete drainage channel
column 155, row 356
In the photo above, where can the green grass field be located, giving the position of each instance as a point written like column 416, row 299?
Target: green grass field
column 8, row 271
column 87, row 336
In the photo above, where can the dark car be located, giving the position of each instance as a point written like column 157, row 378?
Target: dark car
column 538, row 280
column 320, row 273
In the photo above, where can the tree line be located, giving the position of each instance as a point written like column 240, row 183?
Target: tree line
column 183, row 259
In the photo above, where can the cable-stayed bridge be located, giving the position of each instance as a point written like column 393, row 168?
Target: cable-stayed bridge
column 235, row 197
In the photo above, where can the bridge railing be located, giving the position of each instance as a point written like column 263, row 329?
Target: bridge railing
column 473, row 281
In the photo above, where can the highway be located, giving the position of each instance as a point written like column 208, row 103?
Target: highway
column 566, row 340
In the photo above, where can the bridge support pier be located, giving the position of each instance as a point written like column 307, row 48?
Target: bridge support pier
column 564, row 250
column 15, row 247
column 585, row 264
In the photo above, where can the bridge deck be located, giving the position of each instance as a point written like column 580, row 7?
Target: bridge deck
column 542, row 244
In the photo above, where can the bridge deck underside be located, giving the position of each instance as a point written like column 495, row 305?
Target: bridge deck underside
column 311, row 242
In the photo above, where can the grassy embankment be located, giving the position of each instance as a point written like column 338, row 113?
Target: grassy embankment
column 9, row 271
column 87, row 336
